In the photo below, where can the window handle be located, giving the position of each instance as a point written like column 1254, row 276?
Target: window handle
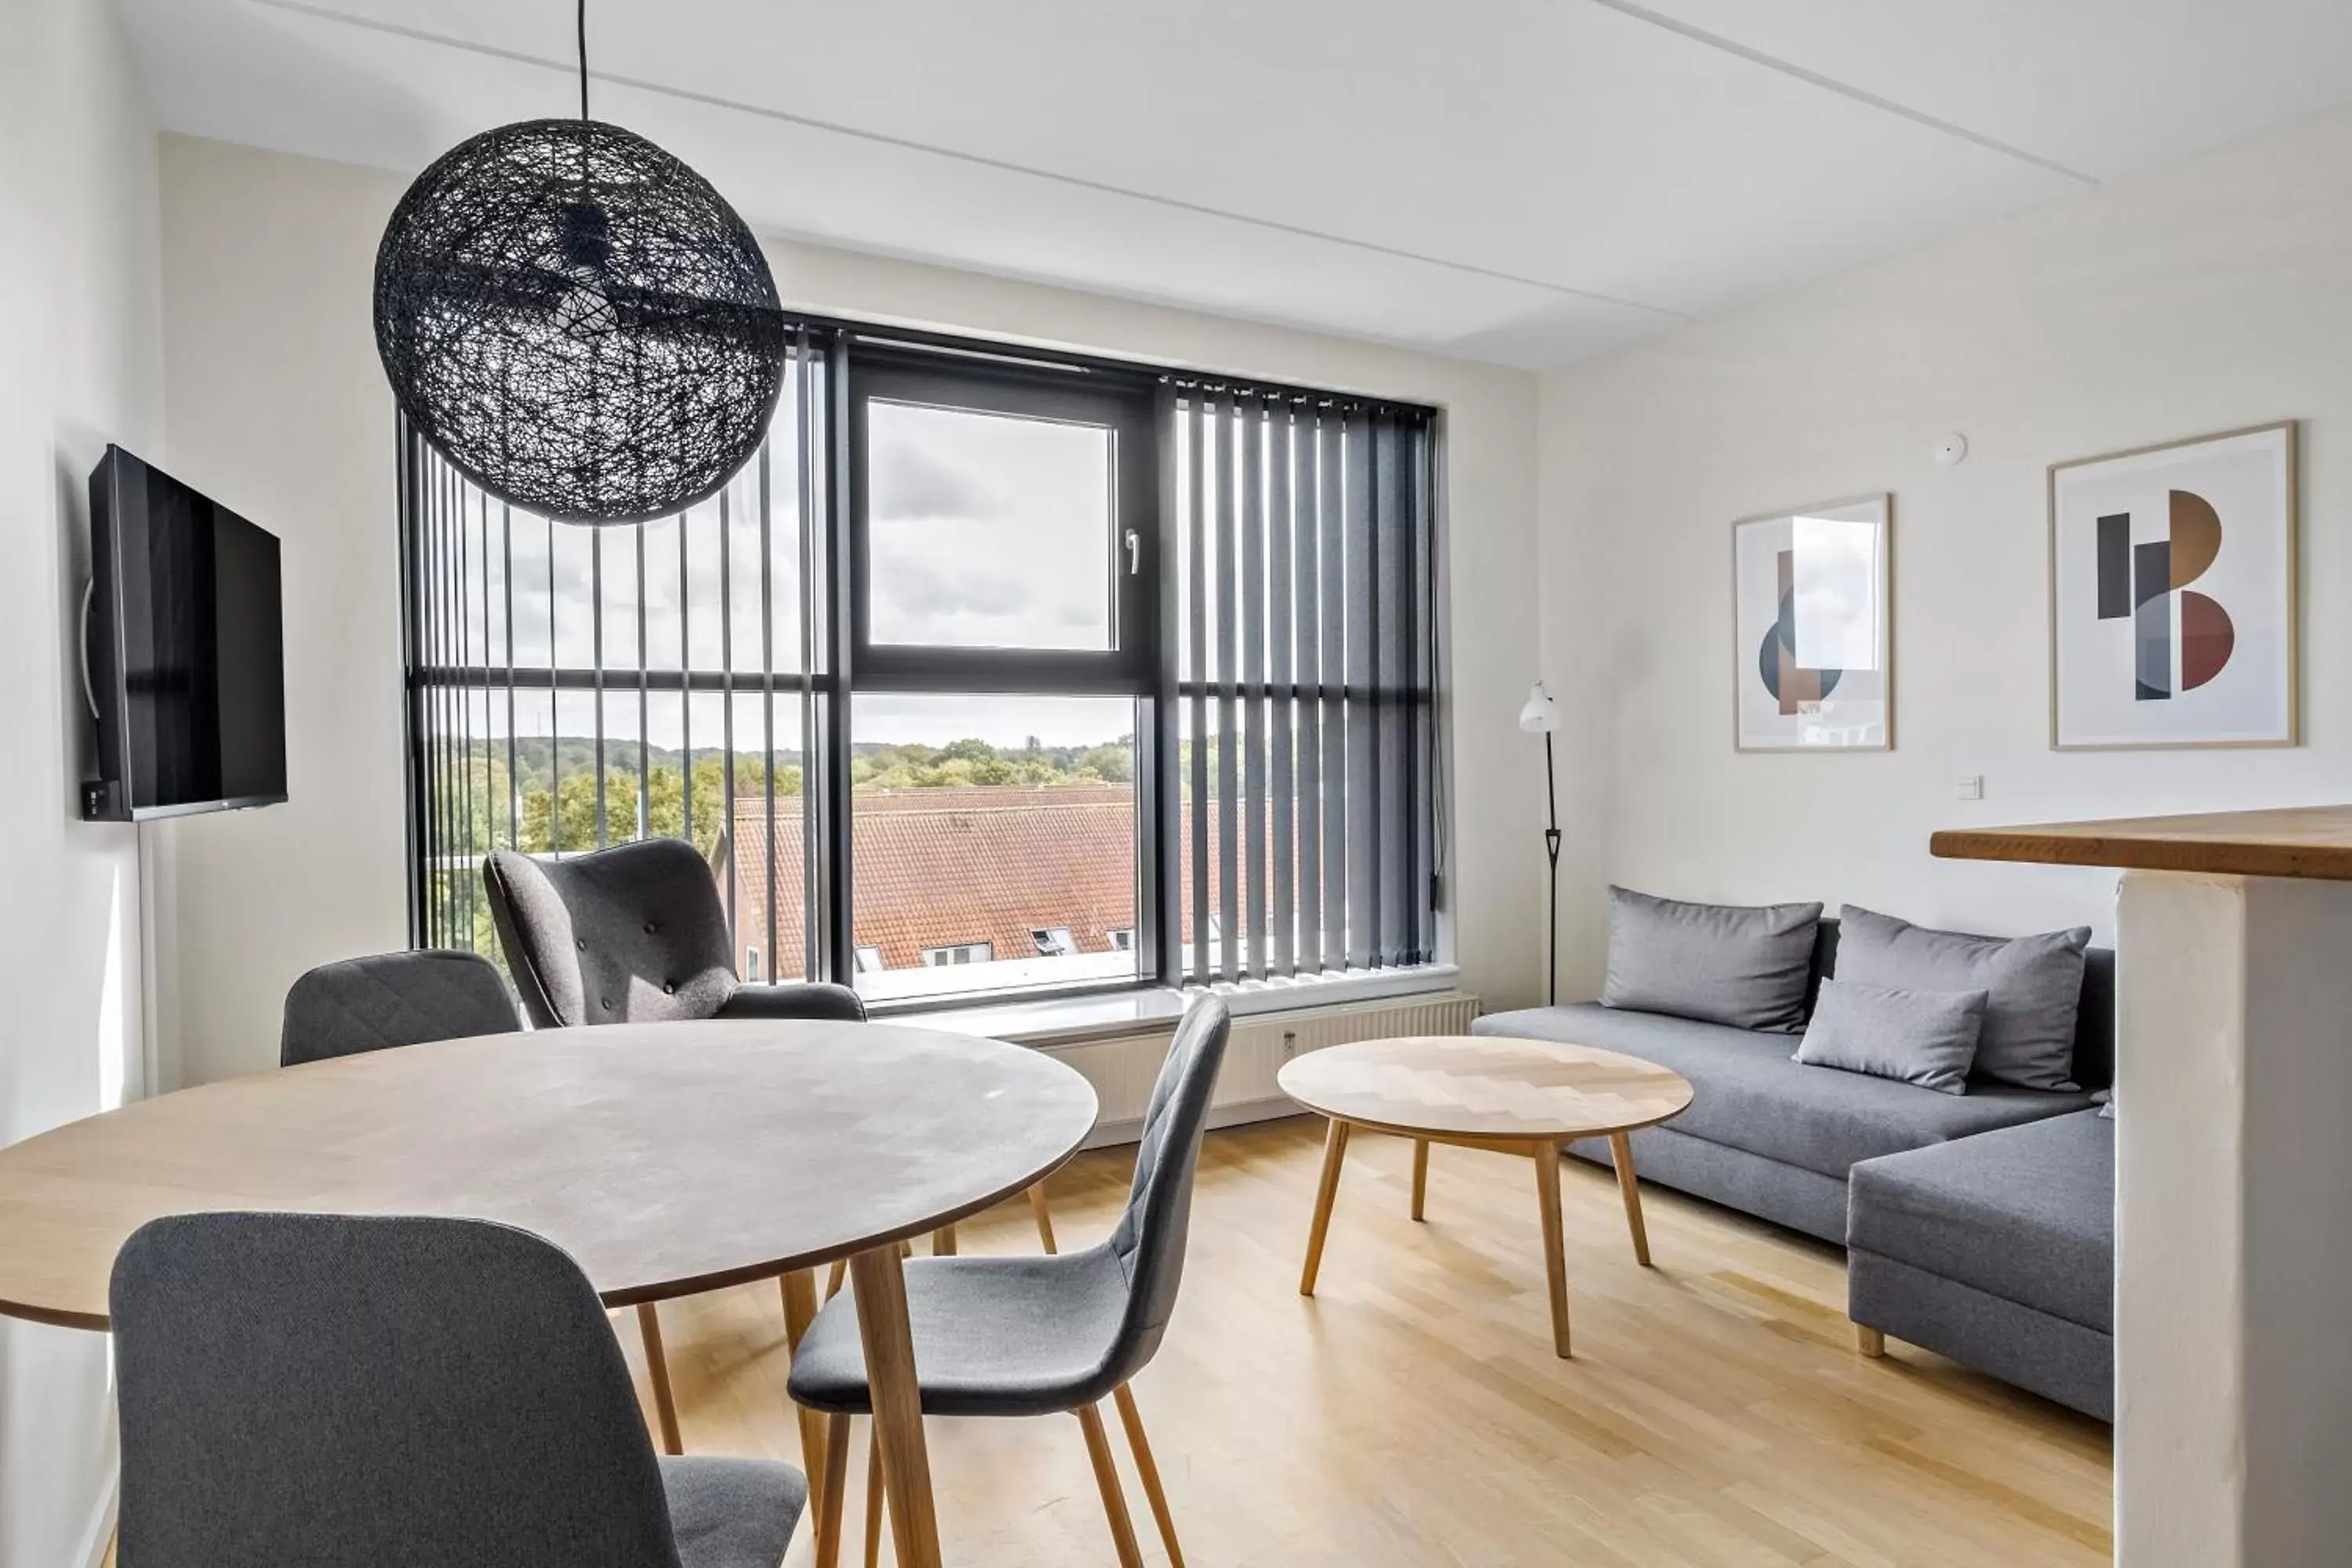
column 1134, row 553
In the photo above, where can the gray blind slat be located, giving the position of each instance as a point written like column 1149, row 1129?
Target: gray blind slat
column 1424, row 678
column 768, row 695
column 1197, row 604
column 726, row 700
column 1363, row 711
column 1222, row 497
column 514, row 779
column 1394, row 589
column 1283, row 777
column 1253, row 673
column 1308, row 672
column 804, row 443
column 1330, row 499
column 596, row 638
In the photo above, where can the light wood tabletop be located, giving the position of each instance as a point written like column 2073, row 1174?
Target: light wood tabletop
column 1484, row 1087
column 669, row 1159
column 1485, row 1092
column 2312, row 841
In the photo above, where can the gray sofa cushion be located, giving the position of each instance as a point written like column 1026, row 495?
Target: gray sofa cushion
column 2026, row 1213
column 1751, row 1097
column 1923, row 1037
column 1744, row 967
column 2033, row 986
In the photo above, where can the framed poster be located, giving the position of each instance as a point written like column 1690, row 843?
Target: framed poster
column 1813, row 651
column 2172, row 594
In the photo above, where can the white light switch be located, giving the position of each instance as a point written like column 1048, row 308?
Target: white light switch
column 1972, row 787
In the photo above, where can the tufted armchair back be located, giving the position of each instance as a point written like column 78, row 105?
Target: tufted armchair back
column 633, row 933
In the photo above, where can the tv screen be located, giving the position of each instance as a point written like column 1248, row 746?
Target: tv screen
column 187, row 658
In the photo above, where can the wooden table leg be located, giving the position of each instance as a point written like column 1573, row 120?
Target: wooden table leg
column 881, row 1293
column 1420, row 1175
column 944, row 1242
column 1334, row 1151
column 657, row 1369
column 1547, row 1157
column 1621, row 1154
column 1044, row 1213
column 799, row 1289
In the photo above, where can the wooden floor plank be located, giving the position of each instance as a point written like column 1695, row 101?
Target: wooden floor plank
column 1412, row 1414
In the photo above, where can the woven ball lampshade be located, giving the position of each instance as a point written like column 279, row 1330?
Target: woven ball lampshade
column 579, row 322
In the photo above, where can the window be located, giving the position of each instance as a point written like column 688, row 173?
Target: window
column 994, row 672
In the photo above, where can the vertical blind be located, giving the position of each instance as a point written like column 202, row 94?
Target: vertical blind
column 572, row 686
column 1306, row 682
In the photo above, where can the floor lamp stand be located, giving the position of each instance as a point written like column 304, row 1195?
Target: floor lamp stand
column 1551, row 850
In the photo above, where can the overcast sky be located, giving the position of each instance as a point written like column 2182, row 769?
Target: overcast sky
column 987, row 532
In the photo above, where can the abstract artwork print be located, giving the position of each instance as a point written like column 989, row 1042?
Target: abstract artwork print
column 1812, row 652
column 2172, row 594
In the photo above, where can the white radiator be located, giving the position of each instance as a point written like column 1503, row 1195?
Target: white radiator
column 1122, row 1070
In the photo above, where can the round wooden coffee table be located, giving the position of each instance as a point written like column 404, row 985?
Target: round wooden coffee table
column 1485, row 1092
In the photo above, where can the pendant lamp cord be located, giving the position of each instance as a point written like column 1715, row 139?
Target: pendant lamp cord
column 583, row 59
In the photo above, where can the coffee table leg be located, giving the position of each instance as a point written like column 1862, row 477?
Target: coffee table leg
column 1621, row 1154
column 1420, row 1175
column 1335, row 1150
column 1546, row 1156
column 889, row 1345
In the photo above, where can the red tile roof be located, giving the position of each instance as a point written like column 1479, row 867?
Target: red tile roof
column 939, row 867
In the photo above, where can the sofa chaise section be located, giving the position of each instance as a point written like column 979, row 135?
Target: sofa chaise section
column 1998, row 1251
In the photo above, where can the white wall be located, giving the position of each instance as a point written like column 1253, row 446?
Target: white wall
column 278, row 406
column 80, row 364
column 2201, row 297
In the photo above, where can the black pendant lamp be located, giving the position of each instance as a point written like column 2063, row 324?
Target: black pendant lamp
column 578, row 321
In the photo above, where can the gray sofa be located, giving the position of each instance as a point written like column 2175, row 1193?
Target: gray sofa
column 1980, row 1224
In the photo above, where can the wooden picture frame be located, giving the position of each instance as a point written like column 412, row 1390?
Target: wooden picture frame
column 2142, row 664
column 1780, row 701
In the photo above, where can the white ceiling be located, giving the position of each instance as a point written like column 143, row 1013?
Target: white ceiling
column 1521, row 180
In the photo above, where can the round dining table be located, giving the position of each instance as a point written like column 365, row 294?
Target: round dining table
column 668, row 1159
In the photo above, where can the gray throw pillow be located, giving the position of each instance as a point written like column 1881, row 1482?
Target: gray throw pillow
column 1717, row 962
column 1926, row 1038
column 2032, row 986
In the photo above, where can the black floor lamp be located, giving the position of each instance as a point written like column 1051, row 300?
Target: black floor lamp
column 1540, row 715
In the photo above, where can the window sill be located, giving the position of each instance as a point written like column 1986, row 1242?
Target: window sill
column 1071, row 1020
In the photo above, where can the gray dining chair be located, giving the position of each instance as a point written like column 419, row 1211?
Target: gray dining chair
column 392, row 999
column 344, row 1392
column 1036, row 1336
column 632, row 933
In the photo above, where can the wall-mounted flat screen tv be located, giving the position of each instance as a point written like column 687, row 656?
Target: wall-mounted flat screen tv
column 186, row 649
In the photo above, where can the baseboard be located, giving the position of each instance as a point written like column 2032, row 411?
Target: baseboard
column 1129, row 1130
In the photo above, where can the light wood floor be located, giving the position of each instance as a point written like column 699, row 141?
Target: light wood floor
column 1412, row 1414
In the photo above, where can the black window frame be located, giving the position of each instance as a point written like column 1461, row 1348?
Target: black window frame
column 1133, row 668
column 862, row 363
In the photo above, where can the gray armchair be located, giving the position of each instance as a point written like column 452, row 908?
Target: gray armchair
column 1033, row 1336
column 633, row 933
column 343, row 1392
